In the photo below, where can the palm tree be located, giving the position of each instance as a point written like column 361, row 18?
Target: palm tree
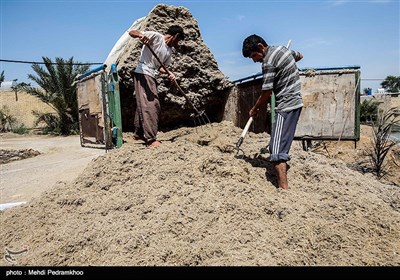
column 381, row 141
column 56, row 90
column 2, row 77
column 391, row 83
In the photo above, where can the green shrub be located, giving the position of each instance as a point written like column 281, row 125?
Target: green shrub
column 22, row 129
column 368, row 111
column 7, row 121
column 382, row 143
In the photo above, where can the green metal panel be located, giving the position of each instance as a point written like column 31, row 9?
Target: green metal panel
column 357, row 106
column 115, row 106
column 272, row 109
column 107, row 122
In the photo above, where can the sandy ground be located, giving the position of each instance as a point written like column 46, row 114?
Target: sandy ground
column 51, row 159
column 192, row 202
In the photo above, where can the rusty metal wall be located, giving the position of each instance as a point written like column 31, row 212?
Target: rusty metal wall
column 91, row 115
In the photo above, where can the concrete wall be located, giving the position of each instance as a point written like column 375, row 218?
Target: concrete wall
column 21, row 105
column 331, row 105
column 331, row 100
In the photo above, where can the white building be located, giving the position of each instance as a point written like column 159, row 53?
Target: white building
column 7, row 85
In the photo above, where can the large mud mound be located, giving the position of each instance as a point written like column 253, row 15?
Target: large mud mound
column 195, row 67
column 191, row 202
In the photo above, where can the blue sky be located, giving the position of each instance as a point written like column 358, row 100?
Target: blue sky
column 328, row 33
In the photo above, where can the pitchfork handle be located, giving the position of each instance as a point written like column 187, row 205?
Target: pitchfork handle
column 175, row 82
column 246, row 128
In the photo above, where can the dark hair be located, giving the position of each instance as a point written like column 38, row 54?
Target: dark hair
column 176, row 29
column 250, row 44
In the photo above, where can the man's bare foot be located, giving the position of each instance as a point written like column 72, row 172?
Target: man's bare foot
column 282, row 190
column 137, row 137
column 154, row 144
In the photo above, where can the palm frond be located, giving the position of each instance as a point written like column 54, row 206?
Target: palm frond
column 57, row 90
column 382, row 142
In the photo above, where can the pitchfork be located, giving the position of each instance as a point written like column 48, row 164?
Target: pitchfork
column 246, row 128
column 200, row 115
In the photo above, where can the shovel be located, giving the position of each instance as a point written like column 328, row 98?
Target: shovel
column 201, row 115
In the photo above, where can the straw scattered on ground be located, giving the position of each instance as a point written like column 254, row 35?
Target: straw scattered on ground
column 191, row 202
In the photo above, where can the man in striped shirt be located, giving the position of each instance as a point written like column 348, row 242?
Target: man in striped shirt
column 281, row 77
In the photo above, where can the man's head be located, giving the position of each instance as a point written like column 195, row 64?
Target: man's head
column 254, row 47
column 176, row 34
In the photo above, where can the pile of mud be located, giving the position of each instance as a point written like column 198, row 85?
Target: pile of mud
column 11, row 155
column 193, row 64
column 191, row 202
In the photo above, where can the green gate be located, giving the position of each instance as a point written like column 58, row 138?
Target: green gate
column 99, row 108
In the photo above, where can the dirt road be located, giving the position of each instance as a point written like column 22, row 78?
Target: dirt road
column 61, row 159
